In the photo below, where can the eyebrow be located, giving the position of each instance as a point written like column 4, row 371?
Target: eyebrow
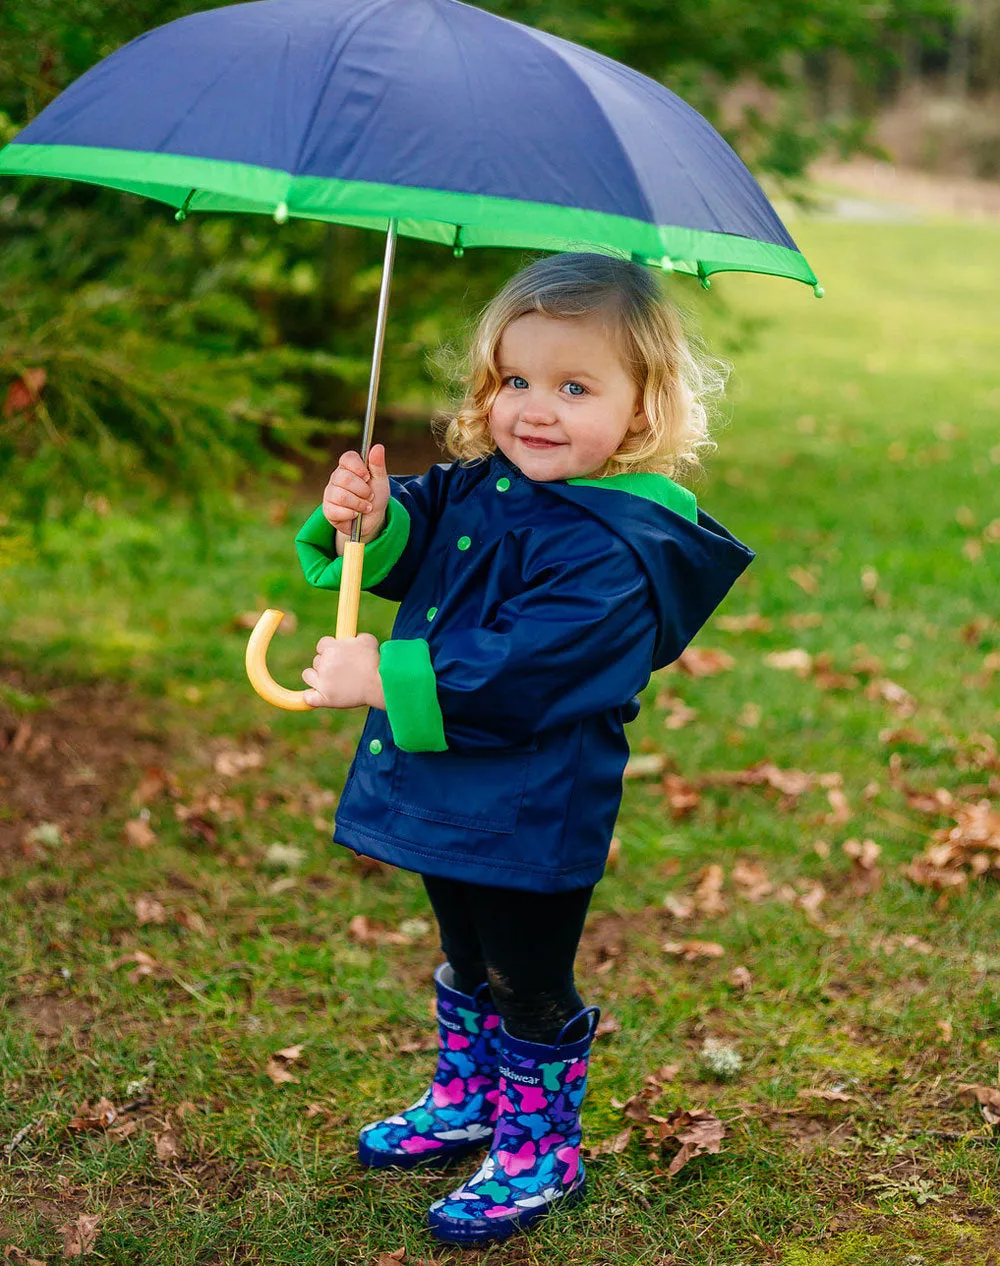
column 568, row 373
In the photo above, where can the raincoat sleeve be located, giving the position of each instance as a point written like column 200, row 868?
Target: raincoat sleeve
column 393, row 557
column 578, row 640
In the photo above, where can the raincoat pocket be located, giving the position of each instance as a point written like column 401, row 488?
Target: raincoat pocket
column 482, row 791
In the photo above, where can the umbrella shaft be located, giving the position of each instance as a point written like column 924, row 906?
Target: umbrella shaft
column 380, row 323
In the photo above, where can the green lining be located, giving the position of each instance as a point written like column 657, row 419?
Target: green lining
column 654, row 487
column 316, row 547
column 411, row 701
column 209, row 184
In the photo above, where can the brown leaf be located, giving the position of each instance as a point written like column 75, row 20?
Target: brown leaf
column 645, row 765
column 698, row 661
column 795, row 660
column 678, row 907
column 988, row 1098
column 945, row 1029
column 708, row 898
column 838, row 1096
column 362, row 930
column 139, row 833
column 740, row 979
column 391, row 1259
column 752, row 622
column 99, row 1117
column 841, row 810
column 613, row 1146
column 79, row 1236
column 167, row 1145
column 806, row 580
column 14, row 1254
column 691, row 950
column 123, row 1131
column 145, row 964
column 811, row 899
column 698, row 1132
column 230, row 763
column 609, row 1024
column 278, row 1073
column 751, row 880
column 149, row 910
column 682, row 796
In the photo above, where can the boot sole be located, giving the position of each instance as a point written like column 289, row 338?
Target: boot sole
column 484, row 1231
column 370, row 1158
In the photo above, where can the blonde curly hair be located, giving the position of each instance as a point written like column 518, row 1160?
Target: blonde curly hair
column 676, row 384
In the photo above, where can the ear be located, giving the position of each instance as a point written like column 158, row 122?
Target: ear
column 639, row 421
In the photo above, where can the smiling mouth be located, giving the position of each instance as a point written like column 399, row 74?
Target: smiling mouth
column 539, row 443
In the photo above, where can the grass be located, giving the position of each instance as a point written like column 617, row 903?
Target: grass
column 862, row 462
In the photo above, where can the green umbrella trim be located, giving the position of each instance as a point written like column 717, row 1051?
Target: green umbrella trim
column 458, row 220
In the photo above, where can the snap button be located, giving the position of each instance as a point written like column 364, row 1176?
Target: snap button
column 503, row 484
column 464, row 542
column 432, row 613
column 375, row 746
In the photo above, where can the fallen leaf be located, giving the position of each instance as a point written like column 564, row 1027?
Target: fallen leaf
column 645, row 765
column 841, row 810
column 698, row 1132
column 804, row 620
column 232, row 763
column 145, row 964
column 806, row 580
column 99, row 1117
column 795, row 661
column 391, row 1259
column 837, row 1096
column 79, row 1236
column 691, row 950
column 613, row 1146
column 362, row 930
column 751, row 880
column 167, row 1145
column 752, row 622
column 678, row 907
column 698, row 661
column 278, row 1073
column 708, row 898
column 740, row 979
column 24, row 392
column 154, row 782
column 988, row 1098
column 681, row 795
column 149, row 910
column 14, row 1254
column 139, row 833
column 945, row 1029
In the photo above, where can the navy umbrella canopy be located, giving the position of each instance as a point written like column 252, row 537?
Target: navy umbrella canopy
column 427, row 118
column 464, row 127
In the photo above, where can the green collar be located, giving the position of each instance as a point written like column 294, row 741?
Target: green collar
column 653, row 487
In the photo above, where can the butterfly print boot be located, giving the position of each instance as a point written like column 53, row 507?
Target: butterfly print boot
column 534, row 1161
column 455, row 1115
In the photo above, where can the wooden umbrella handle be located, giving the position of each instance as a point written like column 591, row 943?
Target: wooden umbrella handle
column 264, row 629
column 256, row 661
column 350, row 589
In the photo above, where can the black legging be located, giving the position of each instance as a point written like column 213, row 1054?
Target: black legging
column 523, row 943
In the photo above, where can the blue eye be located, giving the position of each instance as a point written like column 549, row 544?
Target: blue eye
column 581, row 389
column 515, row 381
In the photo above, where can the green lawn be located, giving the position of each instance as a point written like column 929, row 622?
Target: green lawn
column 862, row 461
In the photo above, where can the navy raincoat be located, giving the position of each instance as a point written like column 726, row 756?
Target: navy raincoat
column 531, row 616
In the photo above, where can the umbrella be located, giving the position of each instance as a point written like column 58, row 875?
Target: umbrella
column 429, row 119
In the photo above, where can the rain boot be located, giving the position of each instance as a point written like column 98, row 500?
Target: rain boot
column 455, row 1115
column 534, row 1162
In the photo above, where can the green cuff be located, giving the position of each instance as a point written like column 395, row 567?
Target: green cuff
column 411, row 701
column 317, row 549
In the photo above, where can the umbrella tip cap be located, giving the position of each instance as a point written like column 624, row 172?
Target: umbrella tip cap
column 281, row 213
column 818, row 291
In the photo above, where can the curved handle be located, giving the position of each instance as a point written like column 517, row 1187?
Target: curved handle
column 256, row 661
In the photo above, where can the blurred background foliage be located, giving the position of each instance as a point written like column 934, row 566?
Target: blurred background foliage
column 174, row 359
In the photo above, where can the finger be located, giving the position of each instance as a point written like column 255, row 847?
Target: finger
column 325, row 643
column 313, row 698
column 376, row 461
column 353, row 462
column 367, row 639
column 310, row 676
column 338, row 496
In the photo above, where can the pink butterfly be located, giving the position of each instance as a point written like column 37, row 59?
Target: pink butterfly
column 514, row 1162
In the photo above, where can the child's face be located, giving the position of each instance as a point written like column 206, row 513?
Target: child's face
column 567, row 401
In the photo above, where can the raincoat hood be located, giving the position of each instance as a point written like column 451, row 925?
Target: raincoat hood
column 690, row 560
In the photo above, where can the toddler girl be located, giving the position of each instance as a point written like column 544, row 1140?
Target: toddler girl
column 543, row 575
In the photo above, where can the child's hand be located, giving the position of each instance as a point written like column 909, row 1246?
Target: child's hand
column 344, row 674
column 354, row 486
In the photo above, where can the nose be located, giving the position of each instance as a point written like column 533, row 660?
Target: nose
column 537, row 413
